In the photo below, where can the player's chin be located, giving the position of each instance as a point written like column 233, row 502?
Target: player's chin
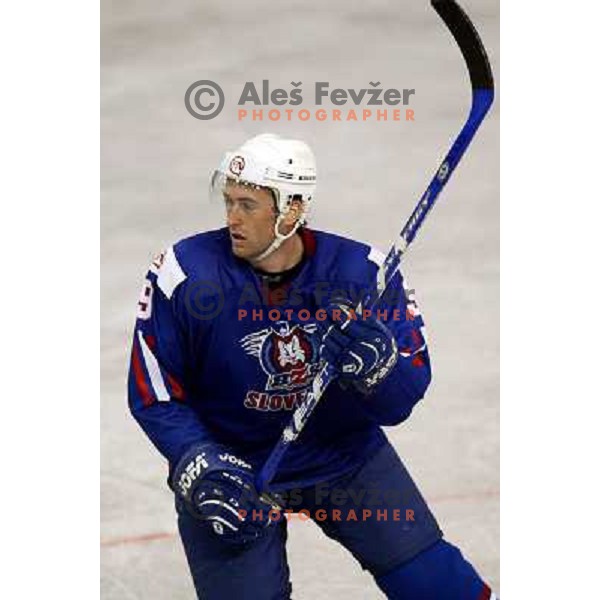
column 241, row 249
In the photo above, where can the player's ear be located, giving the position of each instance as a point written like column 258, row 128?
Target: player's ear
column 294, row 213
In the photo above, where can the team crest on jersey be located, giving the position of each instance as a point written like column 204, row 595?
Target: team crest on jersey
column 288, row 354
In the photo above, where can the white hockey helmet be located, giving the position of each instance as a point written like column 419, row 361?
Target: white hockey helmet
column 285, row 167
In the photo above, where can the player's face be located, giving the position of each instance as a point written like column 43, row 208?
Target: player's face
column 250, row 217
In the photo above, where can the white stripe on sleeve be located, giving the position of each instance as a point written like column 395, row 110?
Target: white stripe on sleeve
column 154, row 371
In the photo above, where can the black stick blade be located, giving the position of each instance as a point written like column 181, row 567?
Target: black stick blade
column 468, row 40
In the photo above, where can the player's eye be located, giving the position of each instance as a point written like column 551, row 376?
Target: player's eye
column 245, row 205
column 248, row 205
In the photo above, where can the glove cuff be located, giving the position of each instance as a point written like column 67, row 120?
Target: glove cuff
column 198, row 463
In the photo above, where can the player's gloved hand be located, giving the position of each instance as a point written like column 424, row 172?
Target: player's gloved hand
column 360, row 347
column 218, row 488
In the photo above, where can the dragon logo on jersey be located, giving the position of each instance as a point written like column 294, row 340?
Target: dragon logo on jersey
column 288, row 354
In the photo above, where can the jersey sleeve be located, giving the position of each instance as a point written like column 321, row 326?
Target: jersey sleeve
column 157, row 389
column 392, row 401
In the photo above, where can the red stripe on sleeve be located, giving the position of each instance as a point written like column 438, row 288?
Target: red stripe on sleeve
column 417, row 339
column 140, row 379
column 486, row 593
column 418, row 361
column 176, row 389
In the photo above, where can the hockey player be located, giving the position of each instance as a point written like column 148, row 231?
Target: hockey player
column 232, row 326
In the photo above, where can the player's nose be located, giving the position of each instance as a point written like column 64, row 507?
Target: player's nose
column 233, row 216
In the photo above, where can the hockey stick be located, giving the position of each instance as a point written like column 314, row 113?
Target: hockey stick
column 482, row 84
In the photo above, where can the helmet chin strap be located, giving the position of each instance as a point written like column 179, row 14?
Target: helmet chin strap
column 279, row 238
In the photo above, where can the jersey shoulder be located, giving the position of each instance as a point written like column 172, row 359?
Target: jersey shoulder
column 197, row 257
column 345, row 258
column 201, row 254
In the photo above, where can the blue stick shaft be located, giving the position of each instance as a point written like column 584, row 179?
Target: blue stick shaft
column 481, row 104
column 483, row 95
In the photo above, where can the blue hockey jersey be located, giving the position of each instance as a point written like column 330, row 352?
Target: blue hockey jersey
column 217, row 357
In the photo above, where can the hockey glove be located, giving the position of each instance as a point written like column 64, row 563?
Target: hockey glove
column 218, row 488
column 361, row 349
